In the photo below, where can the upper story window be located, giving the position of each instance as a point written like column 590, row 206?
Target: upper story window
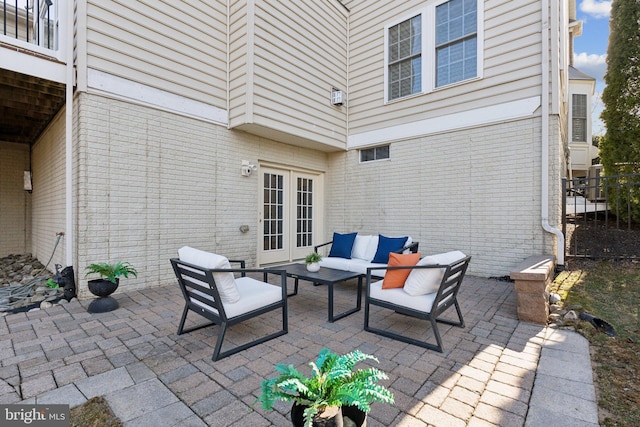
column 441, row 45
column 578, row 117
column 405, row 58
column 456, row 41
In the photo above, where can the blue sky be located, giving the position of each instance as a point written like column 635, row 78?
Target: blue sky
column 590, row 50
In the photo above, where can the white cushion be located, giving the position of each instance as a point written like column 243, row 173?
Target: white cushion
column 372, row 247
column 254, row 294
column 422, row 281
column 397, row 296
column 407, row 243
column 360, row 246
column 225, row 282
column 335, row 262
column 360, row 266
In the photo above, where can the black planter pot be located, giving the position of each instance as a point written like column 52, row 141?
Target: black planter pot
column 353, row 413
column 102, row 288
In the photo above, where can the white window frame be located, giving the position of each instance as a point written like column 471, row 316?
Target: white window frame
column 587, row 122
column 428, row 78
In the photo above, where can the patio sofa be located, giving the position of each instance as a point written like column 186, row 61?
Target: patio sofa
column 356, row 252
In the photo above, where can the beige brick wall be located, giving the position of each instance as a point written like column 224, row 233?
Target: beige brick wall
column 48, row 210
column 15, row 202
column 150, row 182
column 476, row 190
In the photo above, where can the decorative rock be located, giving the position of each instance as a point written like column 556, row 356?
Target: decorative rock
column 571, row 315
column 46, row 304
column 554, row 308
column 554, row 298
column 554, row 317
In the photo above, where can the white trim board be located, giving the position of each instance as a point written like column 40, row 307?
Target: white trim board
column 117, row 87
column 465, row 119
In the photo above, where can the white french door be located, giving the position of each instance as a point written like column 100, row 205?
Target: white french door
column 291, row 202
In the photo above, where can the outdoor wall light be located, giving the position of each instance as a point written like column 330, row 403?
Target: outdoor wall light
column 337, row 97
column 247, row 168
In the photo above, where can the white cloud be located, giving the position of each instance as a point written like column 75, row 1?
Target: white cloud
column 592, row 64
column 595, row 8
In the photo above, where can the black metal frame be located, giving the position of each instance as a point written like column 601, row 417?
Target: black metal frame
column 182, row 268
column 445, row 298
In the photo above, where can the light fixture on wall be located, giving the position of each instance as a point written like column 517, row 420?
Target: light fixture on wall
column 337, row 96
column 247, row 168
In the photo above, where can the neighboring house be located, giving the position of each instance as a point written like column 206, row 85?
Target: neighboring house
column 256, row 128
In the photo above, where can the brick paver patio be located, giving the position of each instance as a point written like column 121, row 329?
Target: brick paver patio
column 150, row 376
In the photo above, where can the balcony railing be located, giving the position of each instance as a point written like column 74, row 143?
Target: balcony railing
column 32, row 21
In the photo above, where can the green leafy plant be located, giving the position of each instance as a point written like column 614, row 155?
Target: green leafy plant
column 312, row 258
column 112, row 271
column 333, row 383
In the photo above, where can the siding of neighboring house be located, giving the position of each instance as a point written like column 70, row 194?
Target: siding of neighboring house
column 15, row 202
column 177, row 47
column 151, row 181
column 284, row 61
column 48, row 205
column 511, row 69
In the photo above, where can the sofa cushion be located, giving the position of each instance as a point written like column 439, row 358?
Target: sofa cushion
column 225, row 282
column 396, row 278
column 424, row 281
column 335, row 262
column 360, row 266
column 342, row 245
column 360, row 246
column 387, row 245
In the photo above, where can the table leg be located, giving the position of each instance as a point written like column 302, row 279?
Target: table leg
column 333, row 318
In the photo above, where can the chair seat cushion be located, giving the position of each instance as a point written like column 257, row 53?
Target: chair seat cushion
column 225, row 282
column 254, row 294
column 397, row 296
column 424, row 281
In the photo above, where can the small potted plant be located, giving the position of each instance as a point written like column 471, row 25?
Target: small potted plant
column 333, row 391
column 107, row 283
column 312, row 260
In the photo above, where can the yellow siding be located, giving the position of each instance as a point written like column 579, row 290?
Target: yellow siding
column 179, row 47
column 294, row 56
column 511, row 69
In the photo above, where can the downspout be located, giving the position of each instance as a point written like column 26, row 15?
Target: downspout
column 69, row 234
column 545, row 136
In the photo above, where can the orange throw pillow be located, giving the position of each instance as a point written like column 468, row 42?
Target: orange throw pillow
column 396, row 278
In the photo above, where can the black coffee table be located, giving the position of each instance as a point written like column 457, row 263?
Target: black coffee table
column 325, row 276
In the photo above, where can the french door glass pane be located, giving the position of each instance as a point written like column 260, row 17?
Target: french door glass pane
column 304, row 220
column 273, row 211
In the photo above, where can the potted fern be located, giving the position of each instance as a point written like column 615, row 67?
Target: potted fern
column 107, row 283
column 333, row 391
column 312, row 260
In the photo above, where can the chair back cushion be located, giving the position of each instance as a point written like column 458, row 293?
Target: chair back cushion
column 225, row 282
column 423, row 281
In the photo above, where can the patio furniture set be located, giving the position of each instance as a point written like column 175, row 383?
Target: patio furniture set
column 396, row 277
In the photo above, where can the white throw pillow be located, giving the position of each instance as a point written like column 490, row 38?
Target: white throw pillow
column 423, row 281
column 360, row 246
column 372, row 248
column 225, row 282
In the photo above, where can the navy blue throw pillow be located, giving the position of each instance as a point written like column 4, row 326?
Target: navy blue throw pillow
column 342, row 245
column 386, row 245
